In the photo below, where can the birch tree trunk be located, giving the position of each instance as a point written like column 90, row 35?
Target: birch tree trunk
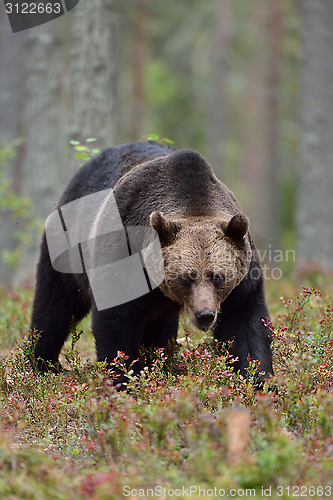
column 315, row 173
column 70, row 86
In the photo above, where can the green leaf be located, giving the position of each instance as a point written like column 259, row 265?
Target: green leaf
column 91, row 139
column 168, row 141
column 74, row 143
column 95, row 151
column 80, row 148
column 152, row 137
column 81, row 155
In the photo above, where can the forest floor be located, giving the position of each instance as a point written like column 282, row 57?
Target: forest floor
column 73, row 436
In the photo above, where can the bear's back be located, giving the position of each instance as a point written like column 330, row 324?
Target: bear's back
column 147, row 176
column 105, row 169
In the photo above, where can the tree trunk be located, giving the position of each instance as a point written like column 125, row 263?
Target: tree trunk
column 219, row 108
column 254, row 175
column 315, row 173
column 138, row 60
column 70, row 82
column 273, row 122
column 11, row 78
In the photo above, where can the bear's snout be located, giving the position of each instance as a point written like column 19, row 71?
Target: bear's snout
column 202, row 305
column 205, row 318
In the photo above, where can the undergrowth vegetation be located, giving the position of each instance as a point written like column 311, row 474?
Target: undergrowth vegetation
column 74, row 436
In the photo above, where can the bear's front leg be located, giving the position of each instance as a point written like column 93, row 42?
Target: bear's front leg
column 118, row 329
column 60, row 301
column 241, row 320
column 129, row 326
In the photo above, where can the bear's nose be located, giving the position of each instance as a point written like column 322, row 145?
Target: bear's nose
column 205, row 317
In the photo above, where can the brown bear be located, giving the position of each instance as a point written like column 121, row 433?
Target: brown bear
column 211, row 267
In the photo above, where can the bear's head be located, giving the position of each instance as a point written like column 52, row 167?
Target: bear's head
column 205, row 258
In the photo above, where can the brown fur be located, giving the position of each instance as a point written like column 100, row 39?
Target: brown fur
column 202, row 264
column 211, row 264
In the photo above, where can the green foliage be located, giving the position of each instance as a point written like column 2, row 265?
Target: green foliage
column 19, row 208
column 163, row 86
column 9, row 200
column 154, row 137
column 74, row 436
column 84, row 151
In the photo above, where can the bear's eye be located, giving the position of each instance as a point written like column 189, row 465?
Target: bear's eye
column 187, row 280
column 217, row 279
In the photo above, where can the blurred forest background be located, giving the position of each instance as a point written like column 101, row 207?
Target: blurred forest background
column 246, row 83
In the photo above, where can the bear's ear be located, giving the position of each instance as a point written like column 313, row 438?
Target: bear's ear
column 165, row 228
column 237, row 226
